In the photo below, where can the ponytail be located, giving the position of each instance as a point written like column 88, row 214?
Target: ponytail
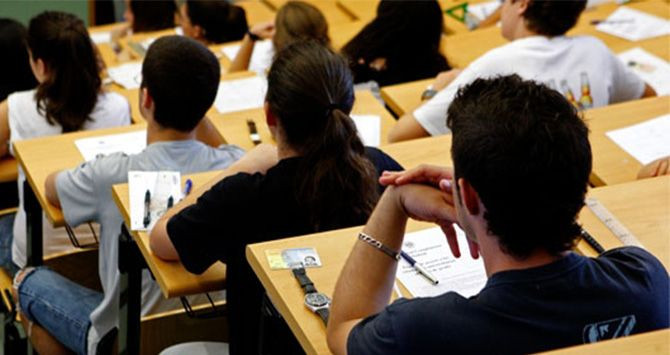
column 337, row 180
column 310, row 91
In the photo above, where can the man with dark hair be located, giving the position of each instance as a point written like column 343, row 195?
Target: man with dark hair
column 582, row 68
column 519, row 180
column 180, row 81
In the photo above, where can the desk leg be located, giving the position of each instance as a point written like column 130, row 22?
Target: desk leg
column 33, row 226
column 130, row 267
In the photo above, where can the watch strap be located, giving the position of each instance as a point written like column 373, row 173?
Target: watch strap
column 324, row 313
column 304, row 281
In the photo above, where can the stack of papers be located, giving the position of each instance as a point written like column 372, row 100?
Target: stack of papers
column 634, row 25
column 465, row 276
column 128, row 143
column 646, row 141
column 369, row 129
column 261, row 58
column 483, row 10
column 241, row 94
column 127, row 75
column 652, row 69
column 101, row 37
column 159, row 187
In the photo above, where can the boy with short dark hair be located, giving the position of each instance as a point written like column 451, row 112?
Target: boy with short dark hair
column 180, row 80
column 582, row 68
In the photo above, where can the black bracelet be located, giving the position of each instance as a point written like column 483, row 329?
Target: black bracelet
column 253, row 36
column 377, row 244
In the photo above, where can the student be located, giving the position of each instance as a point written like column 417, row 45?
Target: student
column 148, row 16
column 325, row 179
column 401, row 44
column 520, row 176
column 213, row 21
column 295, row 20
column 69, row 98
column 180, row 78
column 581, row 67
column 16, row 74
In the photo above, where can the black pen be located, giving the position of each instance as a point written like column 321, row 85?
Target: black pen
column 253, row 133
column 419, row 268
column 588, row 238
column 147, row 209
column 170, row 201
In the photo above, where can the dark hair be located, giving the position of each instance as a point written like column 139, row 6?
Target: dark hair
column 221, row 22
column 182, row 76
column 407, row 34
column 152, row 15
column 16, row 74
column 297, row 20
column 525, row 150
column 70, row 92
column 553, row 18
column 311, row 92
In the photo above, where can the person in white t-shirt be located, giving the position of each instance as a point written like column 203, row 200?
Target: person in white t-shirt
column 69, row 98
column 582, row 68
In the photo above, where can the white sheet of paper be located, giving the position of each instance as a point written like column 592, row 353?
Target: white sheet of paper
column 634, row 25
column 161, row 185
column 101, row 37
column 129, row 143
column 147, row 42
column 652, row 69
column 128, row 75
column 261, row 57
column 369, row 129
column 645, row 141
column 483, row 9
column 241, row 94
column 464, row 275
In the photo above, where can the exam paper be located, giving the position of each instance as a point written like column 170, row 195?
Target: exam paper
column 161, row 185
column 652, row 69
column 646, row 141
column 464, row 275
column 127, row 75
column 484, row 9
column 261, row 57
column 241, row 94
column 634, row 25
column 129, row 143
column 101, row 37
column 369, row 129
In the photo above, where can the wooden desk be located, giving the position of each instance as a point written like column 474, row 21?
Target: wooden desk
column 642, row 206
column 341, row 33
column 405, row 97
column 611, row 164
column 257, row 12
column 657, row 342
column 233, row 126
column 130, row 43
column 328, row 8
column 364, row 10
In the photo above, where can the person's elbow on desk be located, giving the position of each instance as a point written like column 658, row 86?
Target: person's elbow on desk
column 407, row 128
column 160, row 242
column 50, row 190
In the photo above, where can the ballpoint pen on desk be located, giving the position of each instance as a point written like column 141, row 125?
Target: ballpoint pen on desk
column 419, row 268
column 188, row 185
column 253, row 133
column 588, row 238
column 147, row 209
column 170, row 202
column 612, row 22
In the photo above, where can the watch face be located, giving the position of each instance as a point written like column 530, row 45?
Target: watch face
column 316, row 299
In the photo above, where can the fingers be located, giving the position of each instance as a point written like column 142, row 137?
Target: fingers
column 428, row 174
column 663, row 167
column 450, row 233
column 474, row 249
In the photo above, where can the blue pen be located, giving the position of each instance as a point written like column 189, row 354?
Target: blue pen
column 187, row 187
column 419, row 268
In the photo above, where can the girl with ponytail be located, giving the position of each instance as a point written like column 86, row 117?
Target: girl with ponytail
column 68, row 98
column 320, row 177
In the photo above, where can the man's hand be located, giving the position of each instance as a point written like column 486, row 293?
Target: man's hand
column 655, row 168
column 445, row 78
column 423, row 174
column 265, row 30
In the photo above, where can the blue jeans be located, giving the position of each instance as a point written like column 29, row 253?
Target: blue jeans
column 60, row 306
column 6, row 238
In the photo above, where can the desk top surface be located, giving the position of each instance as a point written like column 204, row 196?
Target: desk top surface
column 657, row 342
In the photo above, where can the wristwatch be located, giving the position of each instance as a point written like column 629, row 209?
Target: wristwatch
column 316, row 301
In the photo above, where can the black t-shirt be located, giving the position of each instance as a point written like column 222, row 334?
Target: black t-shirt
column 240, row 210
column 572, row 301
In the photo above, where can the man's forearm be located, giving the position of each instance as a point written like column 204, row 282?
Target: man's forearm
column 366, row 281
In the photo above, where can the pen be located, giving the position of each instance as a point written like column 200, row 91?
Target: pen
column 170, row 202
column 588, row 238
column 147, row 209
column 187, row 187
column 253, row 133
column 419, row 268
column 598, row 22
